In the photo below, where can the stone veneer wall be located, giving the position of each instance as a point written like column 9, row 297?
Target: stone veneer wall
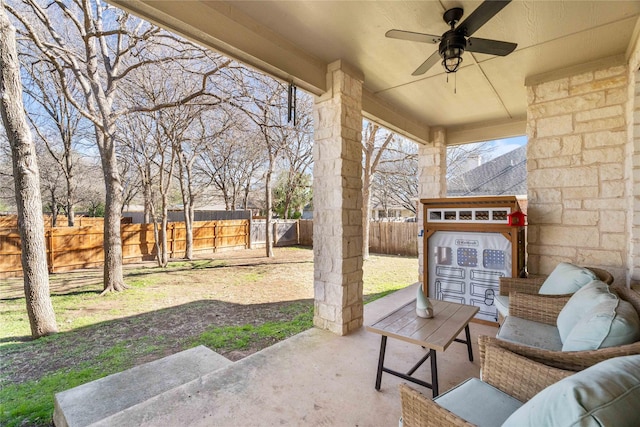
column 578, row 192
column 633, row 155
column 432, row 170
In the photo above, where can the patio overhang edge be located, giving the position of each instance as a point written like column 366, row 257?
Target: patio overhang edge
column 377, row 110
column 478, row 132
column 234, row 35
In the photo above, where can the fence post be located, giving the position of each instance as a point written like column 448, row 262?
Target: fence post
column 215, row 236
column 173, row 238
column 49, row 240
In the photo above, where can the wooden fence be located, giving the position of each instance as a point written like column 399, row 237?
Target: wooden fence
column 70, row 248
column 394, row 238
column 284, row 232
column 11, row 221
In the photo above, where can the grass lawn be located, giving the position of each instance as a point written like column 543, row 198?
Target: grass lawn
column 236, row 304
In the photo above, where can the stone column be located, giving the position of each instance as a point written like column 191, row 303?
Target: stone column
column 432, row 178
column 337, row 202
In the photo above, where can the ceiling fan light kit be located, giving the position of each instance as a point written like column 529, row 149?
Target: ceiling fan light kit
column 456, row 40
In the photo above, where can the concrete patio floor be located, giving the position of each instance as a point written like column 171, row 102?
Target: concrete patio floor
column 315, row 378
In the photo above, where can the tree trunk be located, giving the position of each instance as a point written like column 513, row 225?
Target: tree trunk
column 69, row 177
column 366, row 211
column 70, row 205
column 54, row 208
column 188, row 225
column 42, row 318
column 269, row 201
column 113, row 272
column 164, row 254
column 148, row 195
column 187, row 203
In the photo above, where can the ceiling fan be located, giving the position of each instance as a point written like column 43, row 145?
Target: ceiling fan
column 454, row 42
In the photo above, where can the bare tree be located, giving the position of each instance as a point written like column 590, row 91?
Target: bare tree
column 51, row 183
column 395, row 183
column 375, row 141
column 58, row 125
column 205, row 126
column 7, row 189
column 137, row 156
column 460, row 157
column 26, row 177
column 100, row 47
column 231, row 160
column 298, row 157
column 266, row 106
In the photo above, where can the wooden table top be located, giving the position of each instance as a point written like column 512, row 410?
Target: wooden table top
column 449, row 319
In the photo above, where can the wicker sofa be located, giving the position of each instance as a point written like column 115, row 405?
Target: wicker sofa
column 545, row 309
column 516, row 391
column 532, row 285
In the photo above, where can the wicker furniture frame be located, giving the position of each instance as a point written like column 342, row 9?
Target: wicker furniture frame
column 545, row 309
column 515, row 375
column 533, row 283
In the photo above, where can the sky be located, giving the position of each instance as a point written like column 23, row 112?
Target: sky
column 502, row 146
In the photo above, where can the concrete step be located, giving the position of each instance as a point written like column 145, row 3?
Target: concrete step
column 222, row 391
column 92, row 402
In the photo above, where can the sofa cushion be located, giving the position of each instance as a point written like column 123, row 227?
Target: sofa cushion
column 502, row 304
column 566, row 279
column 583, row 301
column 606, row 394
column 479, row 403
column 530, row 333
column 610, row 323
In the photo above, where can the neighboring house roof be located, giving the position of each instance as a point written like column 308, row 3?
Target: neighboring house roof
column 504, row 175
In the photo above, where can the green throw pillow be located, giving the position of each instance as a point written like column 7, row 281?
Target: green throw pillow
column 609, row 324
column 566, row 279
column 606, row 394
column 583, row 301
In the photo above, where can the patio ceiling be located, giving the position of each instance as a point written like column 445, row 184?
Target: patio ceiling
column 295, row 40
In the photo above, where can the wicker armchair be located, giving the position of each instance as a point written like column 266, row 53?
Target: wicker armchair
column 532, row 285
column 513, row 374
column 545, row 309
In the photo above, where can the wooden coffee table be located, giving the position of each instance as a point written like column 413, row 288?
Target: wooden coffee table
column 435, row 334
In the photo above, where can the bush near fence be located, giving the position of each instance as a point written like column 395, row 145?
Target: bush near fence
column 70, row 248
column 392, row 238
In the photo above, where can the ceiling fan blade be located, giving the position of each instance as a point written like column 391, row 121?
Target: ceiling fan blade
column 492, row 47
column 480, row 16
column 414, row 37
column 430, row 62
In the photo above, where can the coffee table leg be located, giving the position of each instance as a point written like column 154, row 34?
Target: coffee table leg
column 434, row 372
column 468, row 336
column 383, row 346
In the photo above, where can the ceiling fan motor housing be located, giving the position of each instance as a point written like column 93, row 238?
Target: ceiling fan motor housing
column 451, row 48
